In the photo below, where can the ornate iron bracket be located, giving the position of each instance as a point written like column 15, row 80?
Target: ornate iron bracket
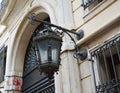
column 79, row 35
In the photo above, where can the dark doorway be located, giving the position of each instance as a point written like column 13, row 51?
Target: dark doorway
column 33, row 80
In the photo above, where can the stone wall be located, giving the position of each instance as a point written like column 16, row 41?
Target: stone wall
column 100, row 23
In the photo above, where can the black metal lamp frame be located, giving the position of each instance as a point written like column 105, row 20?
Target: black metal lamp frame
column 81, row 54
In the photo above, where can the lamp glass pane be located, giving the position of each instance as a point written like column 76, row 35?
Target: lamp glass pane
column 55, row 52
column 42, row 48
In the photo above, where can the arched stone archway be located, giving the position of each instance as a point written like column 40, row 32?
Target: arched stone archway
column 18, row 44
column 19, row 39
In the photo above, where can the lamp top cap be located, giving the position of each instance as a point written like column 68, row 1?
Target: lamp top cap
column 48, row 33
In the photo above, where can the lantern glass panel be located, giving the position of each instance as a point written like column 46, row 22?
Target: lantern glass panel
column 55, row 51
column 49, row 51
column 42, row 49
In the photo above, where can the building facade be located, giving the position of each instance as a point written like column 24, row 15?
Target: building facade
column 98, row 73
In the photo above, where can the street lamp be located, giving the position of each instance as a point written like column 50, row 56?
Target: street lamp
column 48, row 46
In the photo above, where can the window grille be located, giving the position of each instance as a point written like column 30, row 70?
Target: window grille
column 2, row 63
column 90, row 3
column 107, row 60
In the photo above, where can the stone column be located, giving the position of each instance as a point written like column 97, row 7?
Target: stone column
column 70, row 73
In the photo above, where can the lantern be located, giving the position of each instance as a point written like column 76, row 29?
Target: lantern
column 48, row 44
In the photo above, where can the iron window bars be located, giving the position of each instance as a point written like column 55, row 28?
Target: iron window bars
column 87, row 3
column 108, row 65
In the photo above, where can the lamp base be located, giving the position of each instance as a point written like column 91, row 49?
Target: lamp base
column 82, row 54
column 80, row 34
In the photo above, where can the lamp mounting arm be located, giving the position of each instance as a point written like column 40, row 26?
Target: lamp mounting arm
column 79, row 35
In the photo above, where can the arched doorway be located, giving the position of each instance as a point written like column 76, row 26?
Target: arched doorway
column 33, row 80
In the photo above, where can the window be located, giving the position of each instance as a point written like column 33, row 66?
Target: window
column 107, row 60
column 2, row 63
column 90, row 3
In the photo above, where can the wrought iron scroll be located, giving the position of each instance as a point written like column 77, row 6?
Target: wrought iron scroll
column 30, row 58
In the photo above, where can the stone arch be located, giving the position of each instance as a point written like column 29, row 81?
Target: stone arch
column 20, row 39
